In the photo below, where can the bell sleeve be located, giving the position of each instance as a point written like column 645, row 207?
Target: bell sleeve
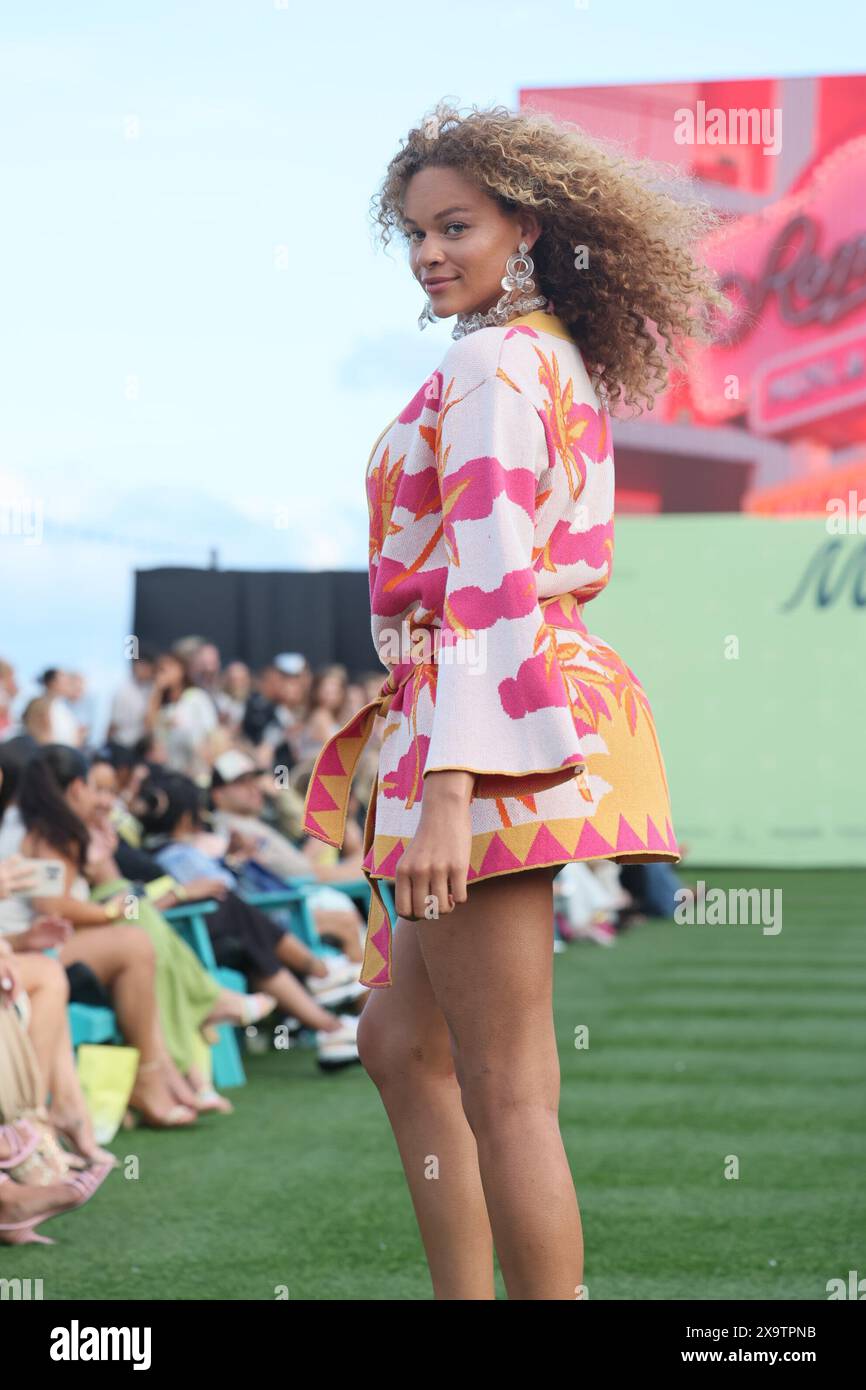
column 501, row 707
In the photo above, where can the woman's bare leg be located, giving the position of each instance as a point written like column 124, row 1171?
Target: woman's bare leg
column 345, row 927
column 293, row 999
column 48, row 988
column 405, row 1047
column 123, row 959
column 294, row 953
column 45, row 981
column 490, row 964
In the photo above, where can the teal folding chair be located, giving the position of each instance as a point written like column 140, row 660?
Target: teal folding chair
column 89, row 1023
column 189, row 921
column 296, row 896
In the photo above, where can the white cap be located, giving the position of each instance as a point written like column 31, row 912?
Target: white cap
column 231, row 765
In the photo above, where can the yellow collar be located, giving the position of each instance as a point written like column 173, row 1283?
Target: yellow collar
column 543, row 322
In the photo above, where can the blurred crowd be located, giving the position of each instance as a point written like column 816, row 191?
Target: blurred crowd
column 193, row 793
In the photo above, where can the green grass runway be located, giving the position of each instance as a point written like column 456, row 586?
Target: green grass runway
column 704, row 1042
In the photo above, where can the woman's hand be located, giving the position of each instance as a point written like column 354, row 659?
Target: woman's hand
column 46, row 932
column 114, row 907
column 431, row 875
column 8, row 982
column 199, row 888
column 17, row 877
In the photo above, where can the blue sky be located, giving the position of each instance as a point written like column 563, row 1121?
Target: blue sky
column 197, row 327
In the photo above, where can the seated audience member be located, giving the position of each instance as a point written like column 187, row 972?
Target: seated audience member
column 61, row 688
column 36, row 721
column 586, row 904
column 183, row 718
column 231, row 698
column 80, row 701
column 52, row 797
column 325, row 712
column 44, row 983
column 238, row 799
column 169, row 808
column 190, row 1000
column 276, row 707
column 654, row 888
column 130, row 703
column 203, row 663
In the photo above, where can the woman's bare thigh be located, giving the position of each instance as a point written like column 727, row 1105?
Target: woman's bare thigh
column 489, row 965
column 106, row 949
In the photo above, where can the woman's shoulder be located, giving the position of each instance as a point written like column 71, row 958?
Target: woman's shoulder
column 520, row 354
column 474, row 357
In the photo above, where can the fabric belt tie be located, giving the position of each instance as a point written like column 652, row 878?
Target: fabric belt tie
column 326, row 806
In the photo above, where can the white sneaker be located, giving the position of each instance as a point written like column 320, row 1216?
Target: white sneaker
column 339, row 1048
column 339, row 985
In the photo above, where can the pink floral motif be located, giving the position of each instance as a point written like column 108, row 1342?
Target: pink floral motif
column 565, row 547
column 471, row 608
column 403, row 778
column 538, row 685
column 470, row 492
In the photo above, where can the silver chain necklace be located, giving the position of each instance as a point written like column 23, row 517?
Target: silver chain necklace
column 500, row 314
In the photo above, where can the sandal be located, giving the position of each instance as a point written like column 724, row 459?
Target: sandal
column 83, row 1185
column 210, row 1102
column 254, row 1008
column 45, row 1161
column 178, row 1117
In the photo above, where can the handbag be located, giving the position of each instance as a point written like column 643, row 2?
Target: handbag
column 107, row 1075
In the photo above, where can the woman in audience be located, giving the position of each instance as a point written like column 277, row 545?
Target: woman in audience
column 182, row 717
column 45, row 983
column 188, row 998
column 327, row 701
column 52, row 793
column 232, row 697
column 169, row 809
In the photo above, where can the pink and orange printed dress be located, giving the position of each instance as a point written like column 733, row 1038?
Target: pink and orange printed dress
column 491, row 500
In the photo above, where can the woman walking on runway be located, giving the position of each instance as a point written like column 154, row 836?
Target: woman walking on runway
column 514, row 740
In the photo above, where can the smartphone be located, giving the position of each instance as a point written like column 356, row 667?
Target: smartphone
column 48, row 878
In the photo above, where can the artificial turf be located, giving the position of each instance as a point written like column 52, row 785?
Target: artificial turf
column 706, row 1042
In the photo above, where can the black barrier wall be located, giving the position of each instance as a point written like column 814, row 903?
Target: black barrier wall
column 252, row 615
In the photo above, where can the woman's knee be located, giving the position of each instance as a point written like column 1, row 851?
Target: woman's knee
column 494, row 1096
column 134, row 946
column 401, row 1055
column 44, row 973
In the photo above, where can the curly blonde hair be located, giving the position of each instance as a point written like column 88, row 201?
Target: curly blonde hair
column 637, row 219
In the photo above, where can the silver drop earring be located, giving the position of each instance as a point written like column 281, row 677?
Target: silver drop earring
column 518, row 270
column 426, row 315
